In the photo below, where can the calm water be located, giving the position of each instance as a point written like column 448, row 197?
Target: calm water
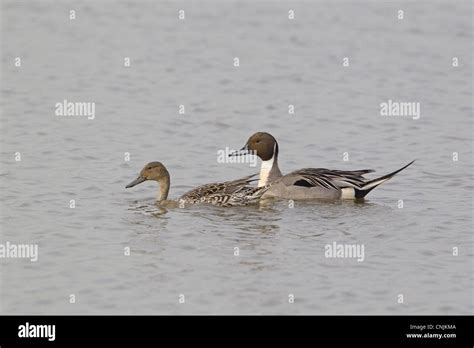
column 408, row 251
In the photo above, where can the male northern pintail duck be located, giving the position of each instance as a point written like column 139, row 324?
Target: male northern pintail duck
column 307, row 183
column 226, row 194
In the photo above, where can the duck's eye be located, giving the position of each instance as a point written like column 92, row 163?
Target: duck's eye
column 258, row 141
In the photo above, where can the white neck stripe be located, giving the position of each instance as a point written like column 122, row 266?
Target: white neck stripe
column 265, row 171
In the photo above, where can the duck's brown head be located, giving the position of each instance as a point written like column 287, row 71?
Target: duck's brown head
column 262, row 144
column 155, row 171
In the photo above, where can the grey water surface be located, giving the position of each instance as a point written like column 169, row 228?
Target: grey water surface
column 190, row 62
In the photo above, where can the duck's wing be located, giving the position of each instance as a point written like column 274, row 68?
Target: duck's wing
column 214, row 189
column 244, row 195
column 326, row 178
column 338, row 179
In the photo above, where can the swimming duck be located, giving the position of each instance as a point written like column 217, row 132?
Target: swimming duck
column 307, row 183
column 226, row 194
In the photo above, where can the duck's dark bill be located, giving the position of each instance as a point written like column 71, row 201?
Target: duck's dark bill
column 243, row 151
column 137, row 181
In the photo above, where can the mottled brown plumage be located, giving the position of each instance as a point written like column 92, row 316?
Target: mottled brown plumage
column 226, row 194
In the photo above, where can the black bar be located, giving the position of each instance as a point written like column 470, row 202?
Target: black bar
column 220, row 330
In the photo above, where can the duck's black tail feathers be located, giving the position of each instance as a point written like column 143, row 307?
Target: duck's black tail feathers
column 370, row 185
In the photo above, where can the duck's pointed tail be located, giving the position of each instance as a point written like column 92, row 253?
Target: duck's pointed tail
column 370, row 185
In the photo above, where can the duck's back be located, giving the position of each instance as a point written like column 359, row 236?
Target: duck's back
column 316, row 183
column 229, row 193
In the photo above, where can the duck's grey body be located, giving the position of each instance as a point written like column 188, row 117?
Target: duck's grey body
column 315, row 183
column 281, row 190
column 308, row 183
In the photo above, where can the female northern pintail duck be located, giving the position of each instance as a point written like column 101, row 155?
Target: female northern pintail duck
column 226, row 194
column 307, row 183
